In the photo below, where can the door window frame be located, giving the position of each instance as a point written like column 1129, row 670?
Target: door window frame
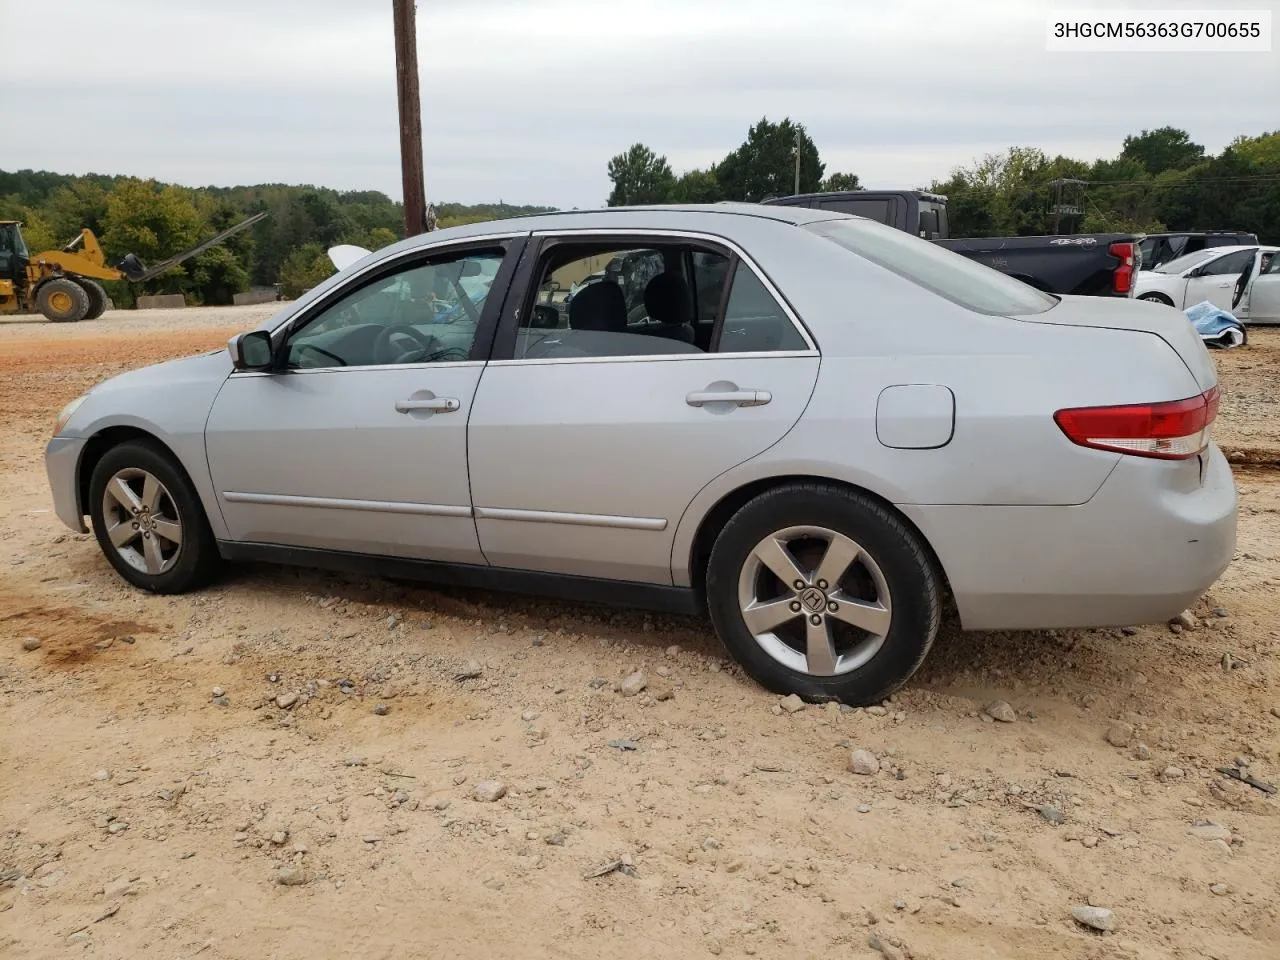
column 524, row 289
column 513, row 246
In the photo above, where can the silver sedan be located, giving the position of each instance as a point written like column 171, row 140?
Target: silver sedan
column 812, row 427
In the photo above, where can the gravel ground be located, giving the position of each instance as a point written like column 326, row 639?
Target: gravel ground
column 292, row 765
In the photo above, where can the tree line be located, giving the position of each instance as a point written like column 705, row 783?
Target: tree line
column 157, row 220
column 1160, row 180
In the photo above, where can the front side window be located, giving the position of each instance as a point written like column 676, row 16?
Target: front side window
column 1232, row 264
column 425, row 313
column 962, row 281
column 649, row 301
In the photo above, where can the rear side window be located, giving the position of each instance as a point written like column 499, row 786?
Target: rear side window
column 754, row 321
column 972, row 285
column 877, row 210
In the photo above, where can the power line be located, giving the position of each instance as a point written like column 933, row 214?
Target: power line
column 1258, row 178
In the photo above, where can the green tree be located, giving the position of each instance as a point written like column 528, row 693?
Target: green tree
column 153, row 222
column 216, row 275
column 639, row 177
column 1166, row 148
column 764, row 165
column 35, row 228
column 697, row 186
column 841, row 181
column 379, row 237
column 303, row 268
column 1263, row 150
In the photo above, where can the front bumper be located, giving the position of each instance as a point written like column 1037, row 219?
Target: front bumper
column 1143, row 549
column 61, row 458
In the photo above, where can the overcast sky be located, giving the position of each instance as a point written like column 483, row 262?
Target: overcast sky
column 526, row 100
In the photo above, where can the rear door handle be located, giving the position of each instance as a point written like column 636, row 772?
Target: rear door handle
column 742, row 398
column 435, row 404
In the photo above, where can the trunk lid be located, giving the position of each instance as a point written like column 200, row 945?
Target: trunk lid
column 1167, row 323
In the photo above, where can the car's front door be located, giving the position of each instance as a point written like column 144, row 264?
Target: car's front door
column 1263, row 298
column 589, row 440
column 358, row 442
column 1215, row 280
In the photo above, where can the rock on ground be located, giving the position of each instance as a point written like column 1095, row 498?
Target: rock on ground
column 1000, row 710
column 489, row 791
column 864, row 762
column 1096, row 918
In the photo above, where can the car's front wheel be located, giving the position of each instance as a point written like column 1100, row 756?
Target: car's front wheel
column 823, row 592
column 1157, row 298
column 148, row 520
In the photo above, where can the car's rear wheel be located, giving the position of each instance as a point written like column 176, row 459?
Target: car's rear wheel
column 823, row 592
column 148, row 520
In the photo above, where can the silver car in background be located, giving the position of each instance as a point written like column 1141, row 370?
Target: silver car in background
column 813, row 427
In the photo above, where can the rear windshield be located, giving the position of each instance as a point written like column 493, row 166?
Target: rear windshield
column 972, row 285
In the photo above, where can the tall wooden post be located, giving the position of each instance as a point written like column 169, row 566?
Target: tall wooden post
column 411, row 174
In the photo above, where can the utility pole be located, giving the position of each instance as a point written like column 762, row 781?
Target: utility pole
column 796, row 151
column 411, row 175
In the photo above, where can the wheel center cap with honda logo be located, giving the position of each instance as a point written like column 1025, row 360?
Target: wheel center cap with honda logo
column 814, row 600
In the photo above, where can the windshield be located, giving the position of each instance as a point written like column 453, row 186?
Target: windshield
column 972, row 285
column 1187, row 261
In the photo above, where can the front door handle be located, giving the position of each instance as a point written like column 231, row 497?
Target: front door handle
column 435, row 404
column 740, row 398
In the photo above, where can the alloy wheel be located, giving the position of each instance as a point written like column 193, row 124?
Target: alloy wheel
column 142, row 521
column 814, row 600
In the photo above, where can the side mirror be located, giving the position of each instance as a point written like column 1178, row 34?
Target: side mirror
column 250, row 351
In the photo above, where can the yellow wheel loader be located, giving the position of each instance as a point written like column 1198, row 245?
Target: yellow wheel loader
column 63, row 284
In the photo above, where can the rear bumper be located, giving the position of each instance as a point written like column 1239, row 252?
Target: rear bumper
column 1144, row 548
column 61, row 457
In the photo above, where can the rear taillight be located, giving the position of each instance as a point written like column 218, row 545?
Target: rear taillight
column 1122, row 278
column 1176, row 430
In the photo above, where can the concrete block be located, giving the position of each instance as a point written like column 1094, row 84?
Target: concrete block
column 162, row 301
column 254, row 295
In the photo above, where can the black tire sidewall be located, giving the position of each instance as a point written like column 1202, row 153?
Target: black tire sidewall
column 97, row 295
column 197, row 553
column 907, row 568
column 71, row 287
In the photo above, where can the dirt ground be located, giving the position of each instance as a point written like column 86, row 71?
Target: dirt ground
column 143, row 814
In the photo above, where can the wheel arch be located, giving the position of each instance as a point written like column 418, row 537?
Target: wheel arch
column 106, row 439
column 1157, row 296
column 714, row 520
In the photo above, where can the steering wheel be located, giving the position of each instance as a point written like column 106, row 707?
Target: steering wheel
column 385, row 351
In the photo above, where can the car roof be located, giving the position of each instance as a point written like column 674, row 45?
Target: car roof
column 1234, row 247
column 714, row 218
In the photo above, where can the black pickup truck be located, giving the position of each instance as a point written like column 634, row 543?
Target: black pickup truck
column 1098, row 264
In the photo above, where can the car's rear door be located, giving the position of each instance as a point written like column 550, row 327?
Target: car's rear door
column 359, row 442
column 587, row 442
column 1263, row 298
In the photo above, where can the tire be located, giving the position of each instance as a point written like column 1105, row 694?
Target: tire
column 62, row 300
column 1156, row 298
column 892, row 582
column 149, row 558
column 97, row 298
